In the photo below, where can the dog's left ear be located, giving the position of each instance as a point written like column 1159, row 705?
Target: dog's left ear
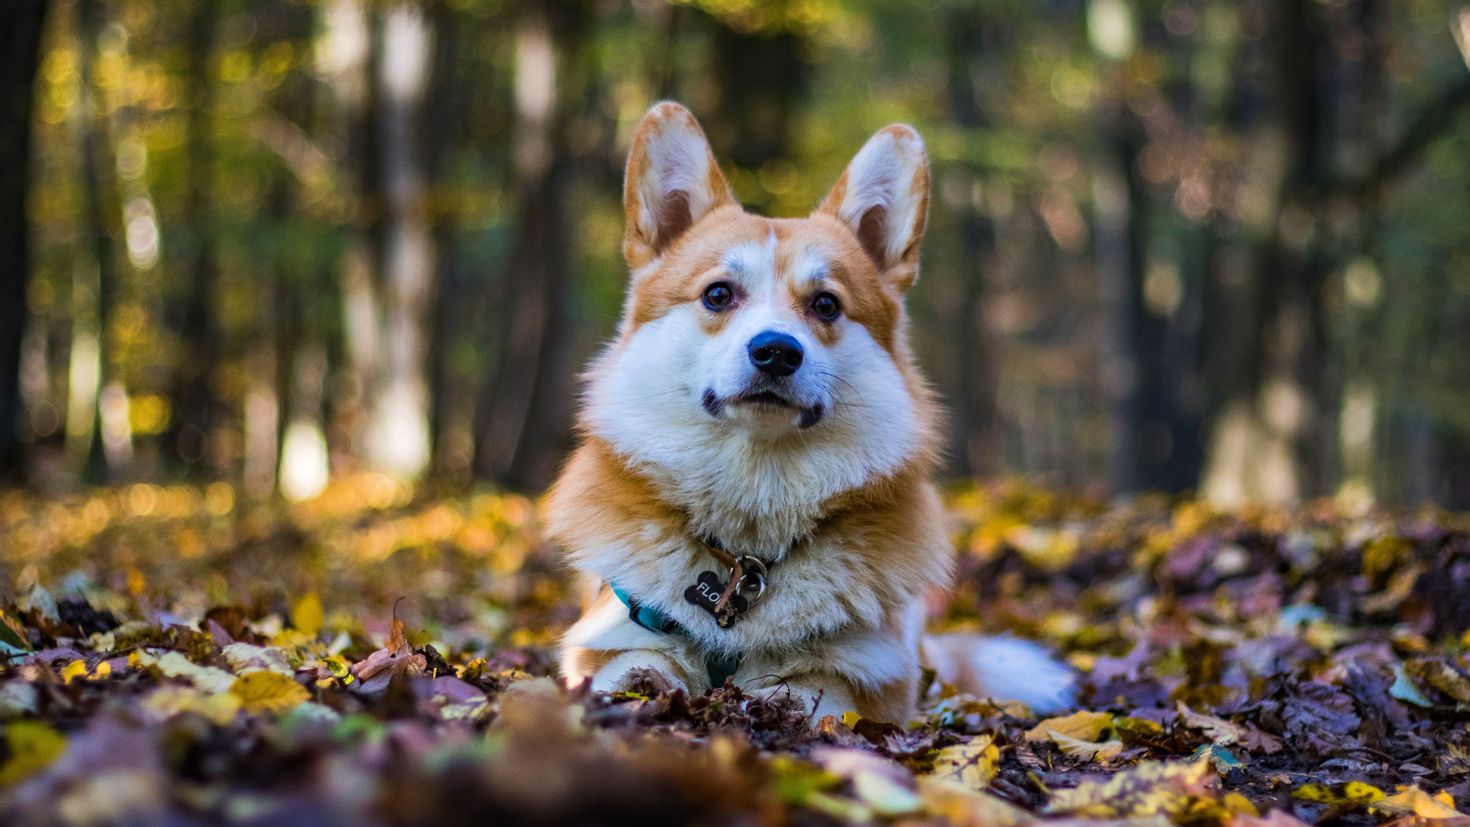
column 884, row 198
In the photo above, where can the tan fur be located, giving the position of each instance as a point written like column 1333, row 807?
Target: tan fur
column 841, row 620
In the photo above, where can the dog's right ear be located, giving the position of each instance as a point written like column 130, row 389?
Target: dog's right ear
column 670, row 183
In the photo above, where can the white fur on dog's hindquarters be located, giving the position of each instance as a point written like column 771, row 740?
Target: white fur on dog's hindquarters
column 1003, row 668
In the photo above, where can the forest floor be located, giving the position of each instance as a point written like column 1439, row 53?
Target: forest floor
column 383, row 656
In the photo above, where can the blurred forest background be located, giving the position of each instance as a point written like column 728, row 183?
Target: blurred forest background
column 1177, row 244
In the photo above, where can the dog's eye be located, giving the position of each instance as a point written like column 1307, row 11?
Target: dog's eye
column 717, row 296
column 826, row 307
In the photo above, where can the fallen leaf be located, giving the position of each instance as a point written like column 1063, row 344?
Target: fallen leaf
column 176, row 665
column 306, row 615
column 72, row 671
column 1087, row 750
column 956, row 803
column 1413, row 801
column 31, row 746
column 265, row 691
column 879, row 783
column 244, row 657
column 169, row 700
column 1218, row 730
column 1082, row 725
column 1404, row 689
column 1353, row 793
column 1150, row 788
column 1441, row 675
column 971, row 763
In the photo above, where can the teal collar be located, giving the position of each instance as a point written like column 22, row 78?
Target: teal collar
column 656, row 620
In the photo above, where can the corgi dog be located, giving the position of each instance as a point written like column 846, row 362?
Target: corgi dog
column 750, row 500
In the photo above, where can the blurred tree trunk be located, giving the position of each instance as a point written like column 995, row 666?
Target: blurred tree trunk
column 1268, row 442
column 975, row 439
column 199, row 350
column 346, row 62
column 762, row 79
column 1141, row 376
column 1133, row 349
column 398, row 416
column 92, row 384
column 523, row 416
column 287, row 327
column 451, row 398
column 25, row 21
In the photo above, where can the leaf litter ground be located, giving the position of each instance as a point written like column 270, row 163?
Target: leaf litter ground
column 385, row 656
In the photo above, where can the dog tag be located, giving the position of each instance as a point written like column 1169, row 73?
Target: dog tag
column 705, row 593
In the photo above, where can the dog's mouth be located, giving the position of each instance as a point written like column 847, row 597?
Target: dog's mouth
column 764, row 400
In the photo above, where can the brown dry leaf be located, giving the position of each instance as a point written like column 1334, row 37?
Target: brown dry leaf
column 1218, row 730
column 397, row 636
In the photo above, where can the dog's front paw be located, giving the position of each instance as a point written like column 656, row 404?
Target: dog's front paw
column 646, row 680
column 645, row 673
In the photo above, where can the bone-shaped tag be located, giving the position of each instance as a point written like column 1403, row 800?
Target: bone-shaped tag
column 705, row 593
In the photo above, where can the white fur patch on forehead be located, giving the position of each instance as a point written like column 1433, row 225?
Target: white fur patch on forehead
column 752, row 263
column 809, row 268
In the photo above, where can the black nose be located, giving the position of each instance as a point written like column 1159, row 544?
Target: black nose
column 775, row 353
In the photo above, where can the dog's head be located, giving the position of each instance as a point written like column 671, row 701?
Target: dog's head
column 756, row 333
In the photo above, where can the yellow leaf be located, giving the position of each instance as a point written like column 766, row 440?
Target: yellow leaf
column 337, row 667
column 1237, row 803
column 1354, row 792
column 244, row 657
column 265, row 691
column 880, row 784
column 32, row 746
column 1082, row 725
column 72, row 671
column 167, row 701
column 971, row 763
column 955, row 803
column 1150, row 788
column 1415, row 802
column 306, row 615
column 176, row 665
column 1087, row 750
